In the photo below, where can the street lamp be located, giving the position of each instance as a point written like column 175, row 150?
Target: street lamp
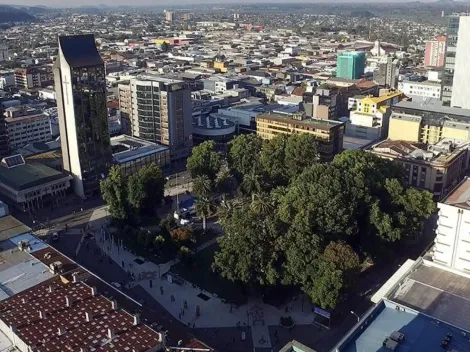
column 357, row 316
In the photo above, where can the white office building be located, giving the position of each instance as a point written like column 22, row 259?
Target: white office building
column 426, row 89
column 452, row 243
column 460, row 91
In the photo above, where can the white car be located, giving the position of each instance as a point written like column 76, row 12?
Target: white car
column 116, row 284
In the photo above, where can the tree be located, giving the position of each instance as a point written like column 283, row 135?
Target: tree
column 250, row 251
column 342, row 255
column 262, row 204
column 204, row 161
column 114, row 193
column 273, row 156
column 244, row 154
column 203, row 208
column 225, row 182
column 203, row 187
column 300, row 153
column 146, row 189
column 251, row 184
column 181, row 234
column 165, row 47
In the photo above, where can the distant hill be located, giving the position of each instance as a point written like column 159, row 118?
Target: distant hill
column 10, row 14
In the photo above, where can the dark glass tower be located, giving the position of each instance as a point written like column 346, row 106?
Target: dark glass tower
column 80, row 84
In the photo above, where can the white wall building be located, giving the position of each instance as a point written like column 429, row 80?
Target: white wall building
column 452, row 242
column 27, row 129
column 460, row 92
column 426, row 89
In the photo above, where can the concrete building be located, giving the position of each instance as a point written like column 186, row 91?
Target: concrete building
column 460, row 91
column 350, row 65
column 322, row 104
column 125, row 108
column 30, row 186
column 437, row 168
column 370, row 120
column 81, row 101
column 452, row 243
column 170, row 17
column 435, row 52
column 132, row 154
column 385, row 74
column 162, row 113
column 7, row 79
column 451, row 50
column 329, row 134
column 214, row 127
column 421, row 123
column 426, row 89
column 26, row 126
column 27, row 78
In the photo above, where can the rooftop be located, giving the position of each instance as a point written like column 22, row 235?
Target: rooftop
column 10, row 227
column 460, row 196
column 29, row 175
column 80, row 50
column 419, row 108
column 130, row 148
column 383, row 98
column 316, row 123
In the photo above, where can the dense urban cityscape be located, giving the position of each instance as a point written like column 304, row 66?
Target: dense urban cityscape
column 235, row 177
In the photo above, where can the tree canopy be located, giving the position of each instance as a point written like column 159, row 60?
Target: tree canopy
column 204, row 161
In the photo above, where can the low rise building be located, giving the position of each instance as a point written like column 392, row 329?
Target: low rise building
column 370, row 120
column 30, row 186
column 437, row 168
column 426, row 89
column 329, row 134
column 415, row 122
column 132, row 154
column 214, row 127
column 26, row 126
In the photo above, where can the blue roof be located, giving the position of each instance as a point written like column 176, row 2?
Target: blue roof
column 421, row 333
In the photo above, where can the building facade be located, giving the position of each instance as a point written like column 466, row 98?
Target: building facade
column 27, row 128
column 350, row 65
column 27, row 78
column 162, row 113
column 452, row 243
column 370, row 120
column 437, row 168
column 426, row 89
column 125, row 108
column 460, row 92
column 329, row 134
column 418, row 123
column 386, row 73
column 81, row 102
column 449, row 64
column 435, row 52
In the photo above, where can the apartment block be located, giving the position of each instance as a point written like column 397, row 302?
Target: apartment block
column 437, row 168
column 351, row 65
column 435, row 52
column 426, row 89
column 415, row 122
column 370, row 120
column 27, row 78
column 161, row 112
column 329, row 134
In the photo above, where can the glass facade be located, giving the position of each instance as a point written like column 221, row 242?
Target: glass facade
column 91, row 122
column 162, row 159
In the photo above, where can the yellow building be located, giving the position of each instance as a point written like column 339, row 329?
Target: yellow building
column 413, row 122
column 328, row 133
column 370, row 104
column 437, row 168
column 222, row 66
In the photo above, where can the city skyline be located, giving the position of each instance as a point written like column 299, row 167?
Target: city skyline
column 113, row 3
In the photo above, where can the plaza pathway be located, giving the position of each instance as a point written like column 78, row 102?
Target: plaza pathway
column 190, row 304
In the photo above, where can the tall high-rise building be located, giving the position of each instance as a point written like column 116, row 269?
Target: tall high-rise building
column 170, row 16
column 460, row 92
column 351, row 65
column 161, row 112
column 449, row 63
column 4, row 146
column 80, row 85
column 435, row 53
column 386, row 73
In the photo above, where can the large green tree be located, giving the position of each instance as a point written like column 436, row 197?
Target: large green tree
column 244, row 154
column 114, row 193
column 204, row 160
column 273, row 159
column 301, row 152
column 146, row 189
column 250, row 251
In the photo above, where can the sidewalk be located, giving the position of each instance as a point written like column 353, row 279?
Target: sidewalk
column 172, row 293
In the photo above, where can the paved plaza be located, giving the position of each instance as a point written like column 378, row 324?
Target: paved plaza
column 189, row 304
